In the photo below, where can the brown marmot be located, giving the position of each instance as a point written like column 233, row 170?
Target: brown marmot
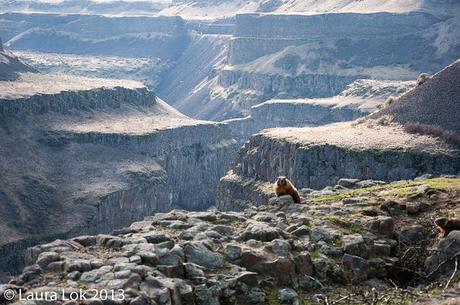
column 283, row 186
column 447, row 225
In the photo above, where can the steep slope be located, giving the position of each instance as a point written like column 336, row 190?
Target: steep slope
column 83, row 155
column 187, row 86
column 366, row 149
column 10, row 66
column 435, row 101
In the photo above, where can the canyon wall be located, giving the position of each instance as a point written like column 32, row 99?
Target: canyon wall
column 286, row 113
column 257, row 35
column 161, row 37
column 218, row 69
column 92, row 160
column 309, row 56
column 318, row 157
column 357, row 100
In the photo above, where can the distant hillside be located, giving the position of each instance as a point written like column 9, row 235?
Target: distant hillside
column 434, row 102
column 208, row 9
column 10, row 66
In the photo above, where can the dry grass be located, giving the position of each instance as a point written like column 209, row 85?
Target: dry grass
column 433, row 130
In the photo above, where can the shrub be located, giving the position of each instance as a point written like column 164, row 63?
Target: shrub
column 433, row 130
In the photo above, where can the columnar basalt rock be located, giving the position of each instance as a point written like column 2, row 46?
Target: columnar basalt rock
column 93, row 155
column 379, row 146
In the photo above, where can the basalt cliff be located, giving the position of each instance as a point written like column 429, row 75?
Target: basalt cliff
column 414, row 134
column 83, row 155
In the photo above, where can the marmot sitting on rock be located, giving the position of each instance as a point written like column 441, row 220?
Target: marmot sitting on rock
column 447, row 225
column 283, row 186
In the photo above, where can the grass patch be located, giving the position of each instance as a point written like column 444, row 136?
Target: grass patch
column 444, row 184
column 362, row 191
column 345, row 224
column 315, row 254
column 271, row 296
column 399, row 189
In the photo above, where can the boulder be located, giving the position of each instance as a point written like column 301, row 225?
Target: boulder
column 248, row 278
column 31, row 273
column 347, row 182
column 264, row 217
column 325, row 234
column 232, row 252
column 155, row 238
column 304, row 264
column 355, row 268
column 354, row 244
column 381, row 248
column 442, row 262
column 193, row 271
column 301, row 231
column 369, row 183
column 199, row 254
column 45, row 258
column 281, row 269
column 261, row 231
column 288, row 296
column 411, row 235
column 280, row 247
column 78, row 265
column 383, row 226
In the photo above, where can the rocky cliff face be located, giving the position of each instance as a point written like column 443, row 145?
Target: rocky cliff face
column 219, row 69
column 376, row 147
column 94, row 155
column 301, row 29
column 284, row 253
column 304, row 56
column 161, row 37
column 320, row 159
column 358, row 99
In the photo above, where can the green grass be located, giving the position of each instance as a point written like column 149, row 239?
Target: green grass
column 272, row 296
column 315, row 254
column 399, row 189
column 345, row 224
column 444, row 184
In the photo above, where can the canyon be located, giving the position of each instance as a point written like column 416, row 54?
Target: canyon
column 86, row 155
column 381, row 146
column 218, row 68
column 139, row 143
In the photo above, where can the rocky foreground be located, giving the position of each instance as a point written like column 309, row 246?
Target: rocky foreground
column 359, row 242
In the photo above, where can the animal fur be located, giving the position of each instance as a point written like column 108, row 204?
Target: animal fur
column 283, row 186
column 447, row 225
